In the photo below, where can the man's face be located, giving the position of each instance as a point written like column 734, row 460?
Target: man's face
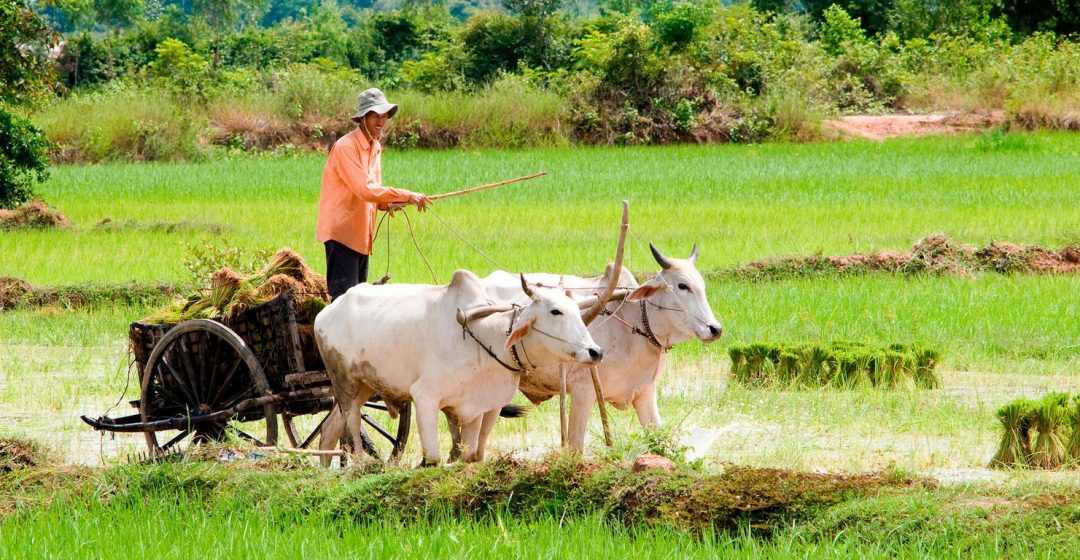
column 375, row 123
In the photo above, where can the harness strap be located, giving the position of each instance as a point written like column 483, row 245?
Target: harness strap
column 513, row 347
column 649, row 335
column 520, row 369
column 647, row 332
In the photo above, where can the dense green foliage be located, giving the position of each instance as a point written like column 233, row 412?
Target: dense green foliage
column 24, row 77
column 628, row 73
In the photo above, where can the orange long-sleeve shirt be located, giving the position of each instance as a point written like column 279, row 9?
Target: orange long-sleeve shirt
column 352, row 193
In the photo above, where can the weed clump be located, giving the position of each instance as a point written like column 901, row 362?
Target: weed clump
column 934, row 254
column 842, row 365
column 35, row 215
column 565, row 484
column 14, row 292
column 17, row 454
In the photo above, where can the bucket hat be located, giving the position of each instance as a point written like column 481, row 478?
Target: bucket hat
column 373, row 99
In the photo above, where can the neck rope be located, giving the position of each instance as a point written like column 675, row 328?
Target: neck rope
column 513, row 350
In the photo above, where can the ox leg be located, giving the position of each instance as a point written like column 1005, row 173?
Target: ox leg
column 427, row 423
column 645, row 405
column 486, row 426
column 455, row 438
column 470, row 435
column 331, row 434
column 352, row 416
column 582, row 401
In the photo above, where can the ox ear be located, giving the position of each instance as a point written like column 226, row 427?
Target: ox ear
column 646, row 290
column 520, row 331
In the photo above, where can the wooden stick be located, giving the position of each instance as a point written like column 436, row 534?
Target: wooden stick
column 616, row 269
column 396, row 205
column 603, row 407
column 485, row 187
column 563, row 424
column 318, row 452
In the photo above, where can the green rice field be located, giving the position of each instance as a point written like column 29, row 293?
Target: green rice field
column 1001, row 336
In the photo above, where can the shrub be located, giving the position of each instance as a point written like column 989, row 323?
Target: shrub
column 179, row 68
column 23, row 159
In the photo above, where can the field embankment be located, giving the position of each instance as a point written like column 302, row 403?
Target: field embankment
column 556, row 506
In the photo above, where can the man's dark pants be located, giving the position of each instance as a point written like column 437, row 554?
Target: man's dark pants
column 345, row 268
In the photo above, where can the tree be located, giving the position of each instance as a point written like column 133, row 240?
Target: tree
column 1026, row 16
column 25, row 75
column 118, row 13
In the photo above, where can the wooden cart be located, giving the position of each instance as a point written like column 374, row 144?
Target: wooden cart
column 202, row 379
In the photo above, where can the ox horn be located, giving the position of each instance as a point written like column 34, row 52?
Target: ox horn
column 615, row 271
column 525, row 287
column 693, row 254
column 660, row 258
column 464, row 317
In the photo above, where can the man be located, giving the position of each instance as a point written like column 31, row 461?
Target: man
column 352, row 193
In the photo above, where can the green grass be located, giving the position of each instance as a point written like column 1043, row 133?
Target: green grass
column 741, row 203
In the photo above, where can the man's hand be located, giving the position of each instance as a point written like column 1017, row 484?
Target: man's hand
column 421, row 201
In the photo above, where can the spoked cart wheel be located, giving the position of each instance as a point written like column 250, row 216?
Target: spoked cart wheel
column 198, row 372
column 382, row 440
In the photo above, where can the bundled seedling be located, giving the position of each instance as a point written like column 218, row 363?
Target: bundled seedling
column 1048, row 417
column 839, row 364
column 1035, row 433
column 1072, row 449
column 229, row 294
column 1015, row 446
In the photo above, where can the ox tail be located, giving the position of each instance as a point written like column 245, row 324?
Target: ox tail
column 513, row 411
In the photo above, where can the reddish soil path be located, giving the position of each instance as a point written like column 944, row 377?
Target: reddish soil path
column 880, row 127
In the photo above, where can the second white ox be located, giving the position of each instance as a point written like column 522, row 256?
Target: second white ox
column 403, row 342
column 668, row 309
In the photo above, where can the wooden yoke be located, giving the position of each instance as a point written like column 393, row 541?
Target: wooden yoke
column 612, row 277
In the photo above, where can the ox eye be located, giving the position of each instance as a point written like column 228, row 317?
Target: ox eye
column 556, row 312
column 684, row 287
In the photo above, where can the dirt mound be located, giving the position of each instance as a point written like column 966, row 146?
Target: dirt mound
column 35, row 215
column 14, row 291
column 936, row 253
column 18, row 454
column 880, row 127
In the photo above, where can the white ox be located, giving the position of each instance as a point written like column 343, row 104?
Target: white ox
column 671, row 305
column 403, row 342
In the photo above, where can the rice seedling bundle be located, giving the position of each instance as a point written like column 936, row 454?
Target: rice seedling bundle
column 1072, row 449
column 1041, row 434
column 228, row 294
column 839, row 364
column 1049, row 415
column 1015, row 447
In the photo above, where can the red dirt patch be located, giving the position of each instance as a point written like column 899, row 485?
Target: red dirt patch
column 880, row 127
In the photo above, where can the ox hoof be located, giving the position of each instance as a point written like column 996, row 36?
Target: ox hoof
column 427, row 463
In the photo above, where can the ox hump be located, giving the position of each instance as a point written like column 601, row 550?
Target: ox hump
column 466, row 284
